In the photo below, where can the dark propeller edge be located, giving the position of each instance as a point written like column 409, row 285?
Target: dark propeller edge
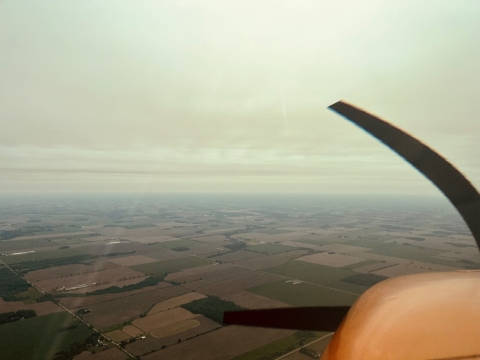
column 439, row 171
column 326, row 318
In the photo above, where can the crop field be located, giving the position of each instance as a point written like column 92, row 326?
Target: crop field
column 238, row 256
column 68, row 270
column 82, row 301
column 106, row 248
column 250, row 300
column 271, row 249
column 314, row 273
column 210, row 238
column 278, row 347
column 39, row 255
column 24, row 340
column 161, row 319
column 117, row 335
column 103, row 277
column 25, row 245
column 334, row 260
column 175, row 302
column 132, row 330
column 349, row 287
column 133, row 260
column 169, row 266
column 192, row 273
column 236, row 284
column 364, row 279
column 40, row 308
column 123, row 309
column 177, row 243
column 151, row 343
column 176, row 328
column 223, row 343
column 263, row 262
column 215, row 274
column 112, row 353
column 303, row 294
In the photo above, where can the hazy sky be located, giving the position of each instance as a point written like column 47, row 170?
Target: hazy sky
column 231, row 96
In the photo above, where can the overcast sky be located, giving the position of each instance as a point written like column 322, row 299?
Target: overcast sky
column 231, row 96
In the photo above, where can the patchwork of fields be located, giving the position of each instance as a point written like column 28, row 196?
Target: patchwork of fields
column 156, row 282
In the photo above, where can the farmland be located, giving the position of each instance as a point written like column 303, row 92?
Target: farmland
column 271, row 249
column 162, row 273
column 23, row 339
column 318, row 274
column 303, row 294
column 162, row 268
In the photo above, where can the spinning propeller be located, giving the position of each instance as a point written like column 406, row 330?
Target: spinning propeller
column 439, row 171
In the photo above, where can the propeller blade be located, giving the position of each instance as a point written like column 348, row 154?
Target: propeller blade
column 326, row 318
column 444, row 175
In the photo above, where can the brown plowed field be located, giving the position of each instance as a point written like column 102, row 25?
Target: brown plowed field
column 254, row 301
column 123, row 309
column 67, row 270
column 113, row 275
column 132, row 260
column 75, row 302
column 110, row 354
column 117, row 335
column 223, row 344
column 238, row 283
column 174, row 329
column 132, row 330
column 161, row 319
column 149, row 344
column 41, row 308
column 196, row 271
column 175, row 302
column 196, row 281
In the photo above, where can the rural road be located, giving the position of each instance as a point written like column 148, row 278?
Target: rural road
column 75, row 315
column 310, row 343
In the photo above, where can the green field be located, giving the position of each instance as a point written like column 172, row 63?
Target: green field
column 271, row 249
column 160, row 268
column 346, row 286
column 279, row 347
column 360, row 264
column 364, row 279
column 318, row 274
column 176, row 243
column 303, row 294
column 40, row 255
column 38, row 338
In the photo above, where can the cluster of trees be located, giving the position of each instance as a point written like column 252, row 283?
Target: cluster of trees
column 150, row 281
column 32, row 265
column 212, row 307
column 27, row 230
column 76, row 348
column 119, row 253
column 12, row 316
column 180, row 248
column 11, row 284
column 236, row 245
